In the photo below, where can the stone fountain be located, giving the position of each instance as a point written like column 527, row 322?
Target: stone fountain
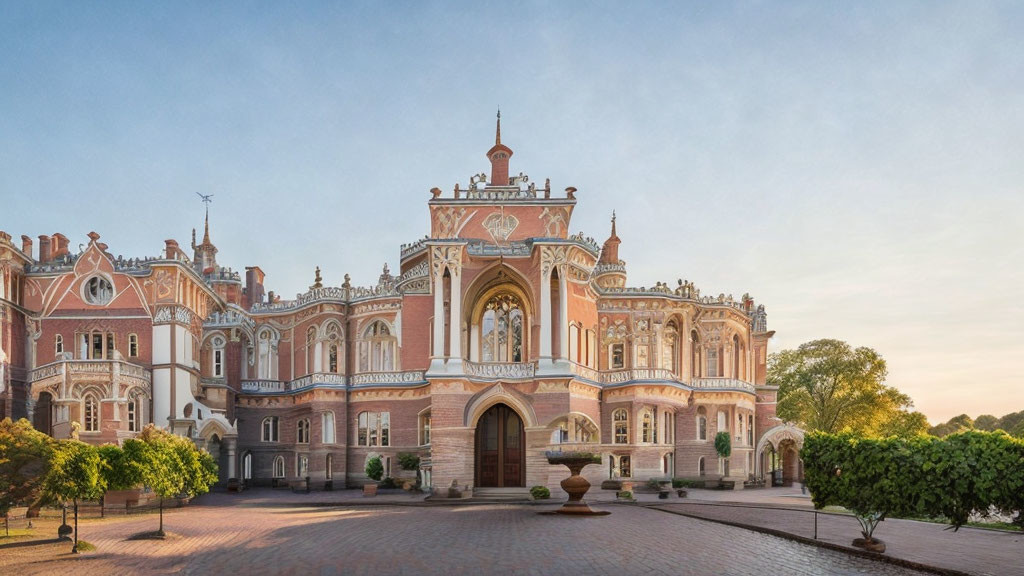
column 575, row 485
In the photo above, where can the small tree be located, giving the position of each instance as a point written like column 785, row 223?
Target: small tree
column 120, row 471
column 24, row 462
column 723, row 444
column 159, row 465
column 375, row 468
column 76, row 473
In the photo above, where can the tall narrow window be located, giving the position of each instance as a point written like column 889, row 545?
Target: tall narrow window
column 58, row 344
column 247, row 466
column 694, row 354
column 712, row 367
column 750, row 430
column 620, row 426
column 279, row 467
column 723, row 421
column 501, row 329
column 591, row 348
column 327, row 427
column 617, row 356
column 670, row 347
column 133, row 415
column 110, row 346
column 302, row 466
column 646, row 427
column 133, row 345
column 92, row 416
column 374, row 429
column 332, row 358
column 625, row 467
column 97, row 346
column 270, row 431
column 377, row 349
column 425, row 429
column 702, row 424
column 700, row 466
column 302, row 431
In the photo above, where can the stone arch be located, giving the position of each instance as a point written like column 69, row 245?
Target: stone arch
column 771, row 442
column 498, row 394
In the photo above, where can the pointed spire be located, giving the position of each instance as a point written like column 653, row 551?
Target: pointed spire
column 497, row 133
column 610, row 250
column 613, row 225
column 206, row 233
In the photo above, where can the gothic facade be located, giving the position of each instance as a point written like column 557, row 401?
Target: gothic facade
column 501, row 336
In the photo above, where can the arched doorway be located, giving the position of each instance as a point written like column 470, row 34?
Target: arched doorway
column 791, row 464
column 500, row 453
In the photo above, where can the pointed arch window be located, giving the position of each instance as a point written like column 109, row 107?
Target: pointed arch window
column 670, row 347
column 702, row 424
column 279, row 467
column 501, row 329
column 377, row 348
column 620, row 426
column 217, row 356
column 302, row 431
column 91, row 409
column 270, row 429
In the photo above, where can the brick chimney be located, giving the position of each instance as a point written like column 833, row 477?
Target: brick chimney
column 58, row 245
column 253, row 286
column 170, row 249
column 26, row 245
column 44, row 248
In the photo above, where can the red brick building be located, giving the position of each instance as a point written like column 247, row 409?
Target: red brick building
column 500, row 337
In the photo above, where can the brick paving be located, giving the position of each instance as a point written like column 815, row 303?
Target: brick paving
column 970, row 550
column 250, row 535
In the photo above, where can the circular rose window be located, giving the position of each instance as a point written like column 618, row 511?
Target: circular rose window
column 98, row 291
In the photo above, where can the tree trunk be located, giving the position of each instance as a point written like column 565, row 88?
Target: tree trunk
column 161, row 530
column 75, row 549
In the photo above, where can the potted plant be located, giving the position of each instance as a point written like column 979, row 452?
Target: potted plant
column 375, row 470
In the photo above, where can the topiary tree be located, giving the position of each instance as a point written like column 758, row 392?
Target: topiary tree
column 375, row 468
column 76, row 473
column 25, row 455
column 723, row 444
column 408, row 461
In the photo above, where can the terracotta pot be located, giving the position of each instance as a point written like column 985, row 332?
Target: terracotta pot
column 369, row 489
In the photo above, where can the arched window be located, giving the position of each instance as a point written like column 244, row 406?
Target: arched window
column 279, row 467
column 267, row 345
column 702, row 424
column 247, row 466
column 270, row 429
column 711, row 371
column 670, row 347
column 377, row 348
column 700, row 466
column 91, row 416
column 424, row 428
column 574, row 428
column 327, row 427
column 501, row 329
column 620, row 426
column 374, row 429
column 302, row 465
column 332, row 343
column 58, row 345
column 737, row 357
column 217, row 356
column 750, row 430
column 302, row 431
column 647, row 427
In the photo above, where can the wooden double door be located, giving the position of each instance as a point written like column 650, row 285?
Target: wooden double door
column 500, row 449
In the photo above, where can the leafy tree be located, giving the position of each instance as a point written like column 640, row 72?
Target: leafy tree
column 24, row 462
column 955, row 424
column 986, row 422
column 76, row 473
column 120, row 471
column 723, row 444
column 375, row 468
column 828, row 386
column 904, row 424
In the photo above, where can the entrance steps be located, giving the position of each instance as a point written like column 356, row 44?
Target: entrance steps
column 500, row 495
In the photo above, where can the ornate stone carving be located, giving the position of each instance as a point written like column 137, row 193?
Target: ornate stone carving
column 496, row 370
column 555, row 218
column 552, row 256
column 500, row 226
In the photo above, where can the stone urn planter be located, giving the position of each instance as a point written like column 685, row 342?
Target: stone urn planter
column 575, row 485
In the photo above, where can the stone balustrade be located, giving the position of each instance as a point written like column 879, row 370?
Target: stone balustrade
column 721, row 384
column 90, row 368
column 510, row 370
column 406, row 377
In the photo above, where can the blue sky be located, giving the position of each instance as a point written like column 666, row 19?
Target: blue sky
column 856, row 167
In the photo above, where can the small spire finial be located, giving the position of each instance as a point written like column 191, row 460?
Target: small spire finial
column 497, row 134
column 207, row 198
column 613, row 222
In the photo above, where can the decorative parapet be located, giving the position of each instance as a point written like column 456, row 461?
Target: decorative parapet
column 585, row 372
column 513, row 249
column 229, row 318
column 406, row 377
column 721, row 384
column 91, row 368
column 620, row 376
column 587, row 242
column 263, row 386
column 510, row 370
column 606, row 268
column 414, row 247
column 317, row 378
column 502, row 193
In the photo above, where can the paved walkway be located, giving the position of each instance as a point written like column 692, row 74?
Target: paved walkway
column 970, row 550
column 253, row 534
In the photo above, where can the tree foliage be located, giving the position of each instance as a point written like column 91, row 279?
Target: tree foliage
column 723, row 444
column 375, row 468
column 966, row 473
column 829, row 386
column 76, row 472
column 1012, row 423
column 24, row 462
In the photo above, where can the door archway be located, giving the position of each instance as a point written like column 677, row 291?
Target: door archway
column 500, row 449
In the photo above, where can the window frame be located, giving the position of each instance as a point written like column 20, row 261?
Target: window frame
column 273, row 433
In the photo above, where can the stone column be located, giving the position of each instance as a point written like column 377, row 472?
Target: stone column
column 30, row 406
column 437, row 351
column 231, row 442
column 318, row 357
column 545, row 315
column 563, row 313
column 455, row 321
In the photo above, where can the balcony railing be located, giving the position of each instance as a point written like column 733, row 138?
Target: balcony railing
column 511, row 370
column 585, row 372
column 90, row 368
column 264, row 386
column 406, row 377
column 317, row 378
column 619, row 376
column 721, row 384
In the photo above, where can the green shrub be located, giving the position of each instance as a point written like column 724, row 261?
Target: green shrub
column 654, row 484
column 679, row 483
column 625, row 495
column 540, row 493
column 723, row 444
column 375, row 468
column 388, row 482
column 408, row 461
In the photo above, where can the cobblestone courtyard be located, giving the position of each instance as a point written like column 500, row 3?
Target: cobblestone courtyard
column 235, row 535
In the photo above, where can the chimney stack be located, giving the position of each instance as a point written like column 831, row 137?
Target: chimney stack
column 253, row 286
column 171, row 249
column 44, row 248
column 58, row 245
column 26, row 245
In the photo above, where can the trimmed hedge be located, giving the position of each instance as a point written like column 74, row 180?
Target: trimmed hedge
column 954, row 477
